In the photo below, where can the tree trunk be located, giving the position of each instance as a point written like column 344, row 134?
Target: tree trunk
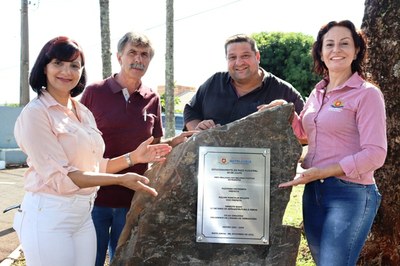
column 381, row 24
column 105, row 37
column 169, row 72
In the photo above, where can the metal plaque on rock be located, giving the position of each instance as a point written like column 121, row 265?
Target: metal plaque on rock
column 233, row 195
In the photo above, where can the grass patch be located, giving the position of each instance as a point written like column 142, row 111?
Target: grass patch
column 293, row 217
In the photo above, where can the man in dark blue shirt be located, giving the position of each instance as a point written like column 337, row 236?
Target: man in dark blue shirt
column 228, row 96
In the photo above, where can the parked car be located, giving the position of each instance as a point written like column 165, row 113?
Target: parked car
column 178, row 123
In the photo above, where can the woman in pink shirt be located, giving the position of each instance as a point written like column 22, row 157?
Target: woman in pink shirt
column 344, row 122
column 65, row 157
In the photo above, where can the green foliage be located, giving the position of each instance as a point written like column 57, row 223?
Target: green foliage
column 288, row 56
column 11, row 104
column 177, row 101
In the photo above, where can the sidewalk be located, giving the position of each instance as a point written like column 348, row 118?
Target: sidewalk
column 11, row 193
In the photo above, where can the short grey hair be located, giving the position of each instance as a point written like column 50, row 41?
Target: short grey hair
column 137, row 39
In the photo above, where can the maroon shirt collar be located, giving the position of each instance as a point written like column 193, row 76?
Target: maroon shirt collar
column 116, row 87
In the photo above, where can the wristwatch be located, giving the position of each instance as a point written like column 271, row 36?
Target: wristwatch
column 128, row 160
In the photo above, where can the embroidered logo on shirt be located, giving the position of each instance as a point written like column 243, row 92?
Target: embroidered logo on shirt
column 337, row 104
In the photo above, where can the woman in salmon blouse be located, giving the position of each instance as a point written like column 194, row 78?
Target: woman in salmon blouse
column 65, row 158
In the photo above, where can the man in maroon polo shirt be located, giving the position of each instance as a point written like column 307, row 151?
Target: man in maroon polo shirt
column 127, row 113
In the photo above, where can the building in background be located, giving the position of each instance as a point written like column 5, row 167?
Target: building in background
column 185, row 94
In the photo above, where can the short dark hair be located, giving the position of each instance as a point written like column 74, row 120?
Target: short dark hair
column 63, row 49
column 241, row 38
column 360, row 42
column 137, row 39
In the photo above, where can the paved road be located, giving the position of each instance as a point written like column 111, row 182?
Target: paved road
column 11, row 193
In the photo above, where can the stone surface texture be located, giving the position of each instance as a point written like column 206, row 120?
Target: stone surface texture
column 162, row 230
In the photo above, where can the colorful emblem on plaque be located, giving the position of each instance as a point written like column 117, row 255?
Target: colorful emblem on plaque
column 223, row 160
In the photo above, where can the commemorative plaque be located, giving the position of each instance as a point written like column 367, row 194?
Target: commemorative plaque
column 233, row 195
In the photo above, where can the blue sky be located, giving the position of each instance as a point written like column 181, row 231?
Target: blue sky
column 200, row 31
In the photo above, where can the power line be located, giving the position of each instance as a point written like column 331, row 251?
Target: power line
column 196, row 14
column 36, row 5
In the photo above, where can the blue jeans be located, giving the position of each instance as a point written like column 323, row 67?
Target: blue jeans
column 338, row 216
column 109, row 223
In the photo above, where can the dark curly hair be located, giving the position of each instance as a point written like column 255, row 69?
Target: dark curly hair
column 63, row 49
column 360, row 42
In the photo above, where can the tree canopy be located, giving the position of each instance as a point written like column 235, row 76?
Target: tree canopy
column 288, row 56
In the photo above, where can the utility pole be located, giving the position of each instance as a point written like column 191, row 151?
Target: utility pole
column 24, row 60
column 169, row 72
column 105, row 37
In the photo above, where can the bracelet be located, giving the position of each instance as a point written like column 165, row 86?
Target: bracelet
column 128, row 160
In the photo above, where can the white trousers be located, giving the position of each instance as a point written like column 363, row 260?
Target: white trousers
column 56, row 230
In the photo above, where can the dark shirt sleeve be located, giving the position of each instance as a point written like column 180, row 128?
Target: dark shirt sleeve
column 298, row 103
column 193, row 109
column 294, row 97
column 158, row 128
column 281, row 89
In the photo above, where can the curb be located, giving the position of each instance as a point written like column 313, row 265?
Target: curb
column 12, row 257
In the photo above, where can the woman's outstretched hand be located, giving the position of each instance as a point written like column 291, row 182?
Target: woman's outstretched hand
column 303, row 177
column 147, row 152
column 136, row 182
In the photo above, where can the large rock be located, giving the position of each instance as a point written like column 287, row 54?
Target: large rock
column 162, row 230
